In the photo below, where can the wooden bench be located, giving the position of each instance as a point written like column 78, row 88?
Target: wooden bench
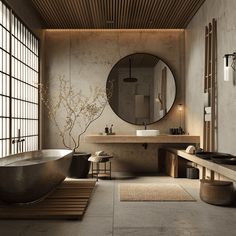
column 228, row 171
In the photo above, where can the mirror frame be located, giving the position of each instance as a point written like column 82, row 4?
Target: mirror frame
column 133, row 54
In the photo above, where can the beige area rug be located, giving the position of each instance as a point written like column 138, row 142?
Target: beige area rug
column 153, row 192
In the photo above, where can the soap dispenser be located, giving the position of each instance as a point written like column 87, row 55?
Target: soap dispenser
column 106, row 130
column 110, row 130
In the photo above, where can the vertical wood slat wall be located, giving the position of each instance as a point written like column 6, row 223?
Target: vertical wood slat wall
column 209, row 129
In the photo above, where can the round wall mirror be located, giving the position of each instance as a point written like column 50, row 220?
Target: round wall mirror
column 141, row 88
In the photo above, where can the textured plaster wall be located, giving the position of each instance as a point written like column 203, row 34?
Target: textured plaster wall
column 224, row 12
column 86, row 58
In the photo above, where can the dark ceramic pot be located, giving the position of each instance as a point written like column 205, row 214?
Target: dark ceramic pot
column 80, row 165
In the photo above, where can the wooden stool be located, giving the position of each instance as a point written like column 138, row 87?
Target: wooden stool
column 217, row 192
column 96, row 168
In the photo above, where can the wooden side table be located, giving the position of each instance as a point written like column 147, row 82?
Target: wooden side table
column 98, row 169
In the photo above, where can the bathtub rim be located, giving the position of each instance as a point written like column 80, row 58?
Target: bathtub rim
column 70, row 152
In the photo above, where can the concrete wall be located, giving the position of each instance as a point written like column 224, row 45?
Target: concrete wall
column 224, row 12
column 87, row 58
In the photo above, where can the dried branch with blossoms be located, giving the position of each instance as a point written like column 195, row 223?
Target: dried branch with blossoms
column 78, row 110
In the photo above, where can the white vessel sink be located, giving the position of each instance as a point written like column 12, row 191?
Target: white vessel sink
column 148, row 132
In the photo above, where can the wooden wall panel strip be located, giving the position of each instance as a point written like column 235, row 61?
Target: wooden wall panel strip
column 206, row 56
column 209, row 129
column 87, row 12
column 73, row 16
column 152, row 14
column 213, row 82
column 180, row 16
column 129, row 11
column 53, row 10
column 185, row 11
column 159, row 14
column 79, row 17
column 46, row 18
column 168, row 9
column 136, row 14
column 172, row 14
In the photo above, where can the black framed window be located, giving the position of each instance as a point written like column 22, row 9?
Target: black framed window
column 19, row 78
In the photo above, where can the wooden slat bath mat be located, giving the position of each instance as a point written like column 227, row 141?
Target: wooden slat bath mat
column 68, row 201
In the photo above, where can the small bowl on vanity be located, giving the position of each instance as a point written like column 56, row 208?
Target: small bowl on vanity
column 226, row 160
column 218, row 157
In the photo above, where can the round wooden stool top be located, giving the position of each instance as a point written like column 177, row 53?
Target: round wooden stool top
column 99, row 159
column 216, row 182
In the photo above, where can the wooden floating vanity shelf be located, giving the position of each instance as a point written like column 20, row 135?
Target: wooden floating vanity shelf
column 142, row 139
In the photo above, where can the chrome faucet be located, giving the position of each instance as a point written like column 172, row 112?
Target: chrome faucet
column 145, row 125
column 19, row 147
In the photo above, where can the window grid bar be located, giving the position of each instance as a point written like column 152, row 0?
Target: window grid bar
column 19, row 118
column 22, row 100
column 25, row 136
column 39, row 96
column 20, row 80
column 24, row 64
column 24, row 45
column 4, row 27
column 10, row 89
column 2, row 139
column 2, row 83
column 4, row 49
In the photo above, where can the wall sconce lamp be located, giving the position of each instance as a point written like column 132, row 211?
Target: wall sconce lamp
column 180, row 109
column 229, row 66
column 178, row 130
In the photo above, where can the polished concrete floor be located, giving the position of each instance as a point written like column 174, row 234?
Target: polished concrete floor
column 107, row 216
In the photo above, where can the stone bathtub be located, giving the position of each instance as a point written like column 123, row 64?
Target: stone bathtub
column 30, row 176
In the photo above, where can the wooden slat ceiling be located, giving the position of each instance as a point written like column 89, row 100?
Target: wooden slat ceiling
column 117, row 14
